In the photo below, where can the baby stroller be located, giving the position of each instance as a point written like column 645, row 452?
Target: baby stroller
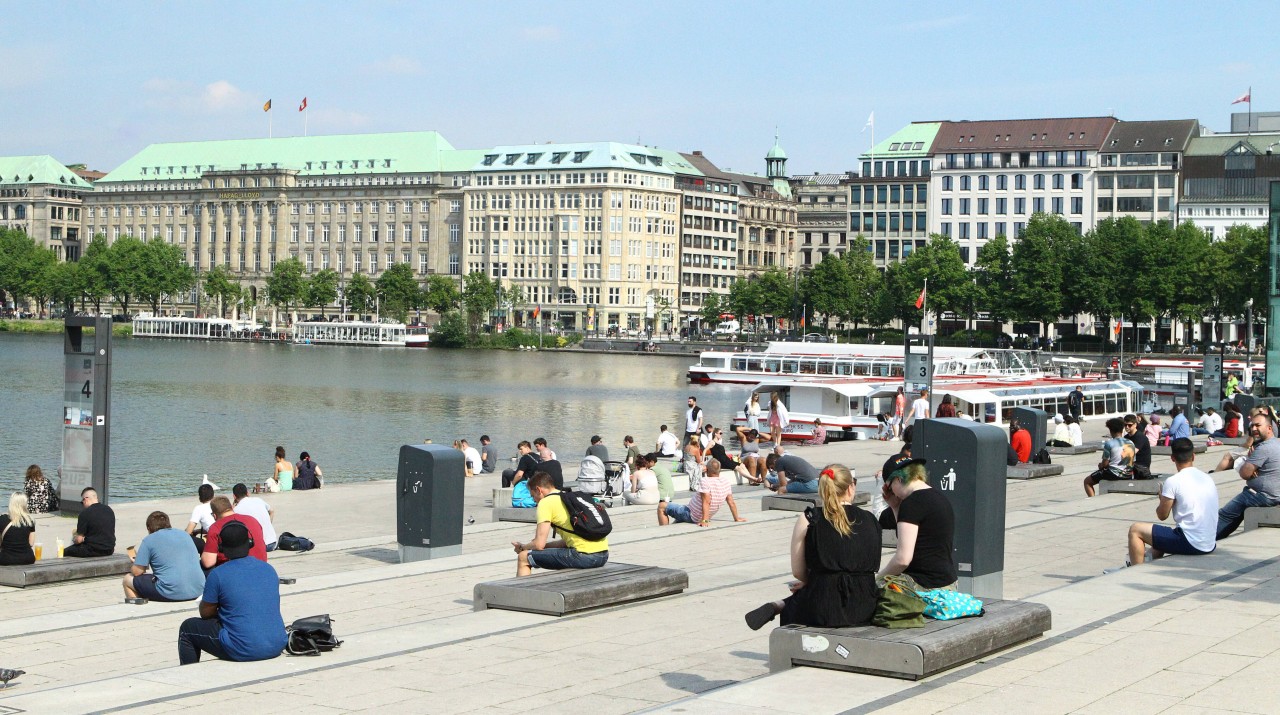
column 604, row 480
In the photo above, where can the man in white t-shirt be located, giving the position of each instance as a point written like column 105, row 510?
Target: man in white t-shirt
column 1192, row 498
column 692, row 419
column 472, row 457
column 668, row 445
column 259, row 510
column 920, row 408
column 1209, row 423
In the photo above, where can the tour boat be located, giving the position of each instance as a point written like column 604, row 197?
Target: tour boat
column 354, row 332
column 146, row 325
column 1158, row 363
column 418, row 336
column 851, row 408
column 824, row 361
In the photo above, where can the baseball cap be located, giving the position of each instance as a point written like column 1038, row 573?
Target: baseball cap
column 1057, row 419
column 234, row 541
column 897, row 462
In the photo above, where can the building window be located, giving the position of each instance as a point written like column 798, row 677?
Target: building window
column 946, row 183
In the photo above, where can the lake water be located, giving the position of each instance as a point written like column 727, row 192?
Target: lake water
column 186, row 408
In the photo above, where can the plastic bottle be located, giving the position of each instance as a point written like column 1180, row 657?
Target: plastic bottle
column 60, row 547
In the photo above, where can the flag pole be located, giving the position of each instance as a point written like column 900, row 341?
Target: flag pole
column 270, row 129
column 306, row 112
column 1249, row 126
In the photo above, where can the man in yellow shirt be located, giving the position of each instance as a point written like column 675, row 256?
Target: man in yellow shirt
column 570, row 551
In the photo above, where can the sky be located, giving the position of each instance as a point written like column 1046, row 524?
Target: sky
column 95, row 83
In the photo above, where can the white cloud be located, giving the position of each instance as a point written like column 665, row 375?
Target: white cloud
column 332, row 121
column 222, row 95
column 396, row 65
column 541, row 33
column 182, row 96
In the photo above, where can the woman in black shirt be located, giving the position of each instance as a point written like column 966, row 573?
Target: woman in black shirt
column 834, row 554
column 925, row 525
column 18, row 533
column 727, row 463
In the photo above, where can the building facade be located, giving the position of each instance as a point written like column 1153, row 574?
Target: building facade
column 1226, row 181
column 822, row 206
column 1139, row 169
column 44, row 199
column 708, row 232
column 989, row 177
column 889, row 199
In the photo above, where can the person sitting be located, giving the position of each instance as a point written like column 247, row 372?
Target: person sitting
column 1209, row 423
column 17, row 533
column 224, row 514
column 175, row 566
column 281, row 478
column 835, row 552
column 661, row 468
column 258, row 509
column 629, row 444
column 643, row 488
column 1117, row 458
column 819, row 433
column 1192, row 498
column 95, row 533
column 525, row 465
column 1260, row 468
column 1141, row 447
column 1061, row 433
column 750, row 455
column 1073, row 427
column 488, row 455
column 712, row 491
column 240, row 608
column 570, row 551
column 471, row 457
column 726, row 462
column 1153, row 429
column 794, row 475
column 598, row 449
column 706, row 436
column 924, row 522
column 309, row 473
column 201, row 516
column 1179, row 427
column 548, row 462
column 1231, row 423
column 1020, row 441
column 40, row 493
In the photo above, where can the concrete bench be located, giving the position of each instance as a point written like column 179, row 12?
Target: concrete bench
column 502, row 496
column 65, row 569
column 1261, row 516
column 1199, row 448
column 889, row 539
column 522, row 514
column 1082, row 449
column 1033, row 471
column 1233, row 441
column 555, row 593
column 800, row 502
column 910, row 653
column 1132, row 486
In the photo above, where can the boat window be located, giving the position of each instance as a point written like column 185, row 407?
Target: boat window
column 807, row 367
column 825, row 367
column 771, row 366
column 753, row 365
column 790, row 366
column 1113, row 403
column 844, row 367
column 739, row 363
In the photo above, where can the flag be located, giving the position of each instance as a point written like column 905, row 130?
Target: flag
column 920, row 300
column 267, row 107
column 303, row 107
column 1246, row 97
column 537, row 310
column 802, row 321
column 1119, row 325
column 871, row 122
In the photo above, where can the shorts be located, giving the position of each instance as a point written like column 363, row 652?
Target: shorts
column 146, row 587
column 1171, row 540
column 1109, row 476
column 680, row 513
column 556, row 559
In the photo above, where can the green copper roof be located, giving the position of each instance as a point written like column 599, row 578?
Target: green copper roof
column 676, row 161
column 1220, row 144
column 776, row 152
column 589, row 155
column 42, row 169
column 910, row 142
column 329, row 155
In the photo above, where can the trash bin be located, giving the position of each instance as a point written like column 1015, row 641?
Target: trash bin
column 1036, row 423
column 429, row 489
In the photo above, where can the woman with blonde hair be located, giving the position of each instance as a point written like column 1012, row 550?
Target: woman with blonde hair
column 835, row 551
column 39, row 491
column 925, row 524
column 17, row 533
column 692, row 464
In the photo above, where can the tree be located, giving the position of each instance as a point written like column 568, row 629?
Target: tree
column 829, row 289
column 398, row 290
column 993, row 276
column 17, row 254
column 221, row 287
column 450, row 332
column 360, row 294
column 777, row 293
column 165, row 272
column 711, row 308
column 1036, row 288
column 93, row 272
column 286, row 286
column 949, row 285
column 322, row 290
column 126, row 266
column 865, row 279
column 480, row 296
column 41, row 278
column 440, row 294
column 744, row 298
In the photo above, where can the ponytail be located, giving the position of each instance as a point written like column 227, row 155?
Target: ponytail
column 833, row 482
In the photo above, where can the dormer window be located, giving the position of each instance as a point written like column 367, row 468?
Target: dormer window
column 894, row 146
column 489, row 159
column 639, row 158
column 655, row 160
column 558, row 156
column 579, row 156
column 510, row 159
column 386, row 163
column 144, row 171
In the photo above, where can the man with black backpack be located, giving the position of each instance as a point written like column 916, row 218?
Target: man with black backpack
column 583, row 525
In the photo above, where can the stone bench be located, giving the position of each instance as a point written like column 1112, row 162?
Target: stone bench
column 1131, row 486
column 1082, row 449
column 1261, row 516
column 1033, row 471
column 65, row 569
column 1233, row 441
column 800, row 502
column 910, row 653
column 502, row 496
column 522, row 514
column 555, row 593
column 1199, row 448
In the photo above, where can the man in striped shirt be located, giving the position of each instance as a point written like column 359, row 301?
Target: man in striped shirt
column 712, row 492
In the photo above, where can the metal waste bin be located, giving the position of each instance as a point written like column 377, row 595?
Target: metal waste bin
column 967, row 464
column 1036, row 423
column 429, row 490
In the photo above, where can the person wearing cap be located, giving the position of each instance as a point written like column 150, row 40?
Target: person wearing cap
column 598, row 449
column 1061, row 432
column 224, row 514
column 240, row 609
column 1191, row 497
column 925, row 524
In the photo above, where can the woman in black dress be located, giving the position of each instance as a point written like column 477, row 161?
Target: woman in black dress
column 17, row 533
column 835, row 552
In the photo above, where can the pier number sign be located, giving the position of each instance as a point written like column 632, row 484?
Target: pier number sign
column 1211, row 381
column 918, row 371
column 77, row 423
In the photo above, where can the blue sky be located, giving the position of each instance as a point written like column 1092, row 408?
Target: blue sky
column 96, row 82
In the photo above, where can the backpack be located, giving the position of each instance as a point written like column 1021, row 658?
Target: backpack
column 311, row 636
column 289, row 542
column 587, row 519
column 1041, row 457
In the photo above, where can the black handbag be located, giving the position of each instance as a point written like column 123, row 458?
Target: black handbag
column 312, row 635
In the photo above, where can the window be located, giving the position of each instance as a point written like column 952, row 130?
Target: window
column 1058, row 181
column 946, row 183
column 983, row 182
column 1019, row 182
column 455, row 232
column 1105, row 204
column 1019, row 205
column 964, row 183
column 1077, row 181
column 1002, row 205
column 1039, row 181
column 982, row 207
column 1002, row 182
column 1057, row 205
column 964, row 207
column 1037, row 205
column 1077, row 205
column 945, row 228
column 946, row 207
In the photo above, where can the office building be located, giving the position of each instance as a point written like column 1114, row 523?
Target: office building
column 889, row 199
column 1226, row 180
column 43, row 198
column 1138, row 172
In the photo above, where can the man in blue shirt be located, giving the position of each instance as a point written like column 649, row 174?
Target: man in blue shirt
column 175, row 564
column 1179, row 428
column 240, row 610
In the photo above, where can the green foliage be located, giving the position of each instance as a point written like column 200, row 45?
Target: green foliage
column 165, row 273
column 222, row 288
column 360, row 294
column 828, row 288
column 398, row 291
column 1036, row 289
column 440, row 294
column 322, row 290
column 711, row 308
column 450, row 332
column 479, row 296
column 993, row 276
column 287, row 286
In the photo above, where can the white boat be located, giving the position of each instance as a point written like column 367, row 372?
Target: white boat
column 822, row 361
column 146, row 325
column 852, row 409
column 1182, row 363
column 418, row 336
column 349, row 333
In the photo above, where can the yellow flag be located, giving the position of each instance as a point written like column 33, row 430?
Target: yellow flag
column 267, row 107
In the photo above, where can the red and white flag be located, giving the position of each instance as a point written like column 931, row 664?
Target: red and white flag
column 303, row 107
column 1245, row 97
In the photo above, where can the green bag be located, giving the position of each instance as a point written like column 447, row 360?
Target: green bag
column 898, row 605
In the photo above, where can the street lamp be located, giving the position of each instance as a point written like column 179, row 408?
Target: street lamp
column 1248, row 311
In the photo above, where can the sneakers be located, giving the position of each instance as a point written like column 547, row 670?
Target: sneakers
column 758, row 617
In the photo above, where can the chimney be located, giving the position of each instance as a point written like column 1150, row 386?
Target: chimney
column 697, row 152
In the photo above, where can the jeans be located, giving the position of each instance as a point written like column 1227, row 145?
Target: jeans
column 1230, row 516
column 507, row 476
column 199, row 634
column 1199, row 430
column 809, row 487
column 555, row 559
